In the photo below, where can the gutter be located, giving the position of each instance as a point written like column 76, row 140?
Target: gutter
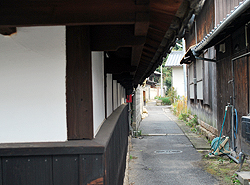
column 243, row 6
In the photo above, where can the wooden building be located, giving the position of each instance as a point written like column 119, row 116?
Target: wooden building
column 218, row 71
column 66, row 68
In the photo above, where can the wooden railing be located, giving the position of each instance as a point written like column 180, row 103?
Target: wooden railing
column 101, row 160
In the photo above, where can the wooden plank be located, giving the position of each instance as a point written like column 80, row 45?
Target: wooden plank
column 91, row 169
column 65, row 170
column 1, row 172
column 51, row 148
column 68, row 12
column 241, row 92
column 79, row 83
column 248, row 62
column 27, row 170
column 206, row 83
column 224, row 91
column 141, row 24
column 111, row 37
column 7, row 30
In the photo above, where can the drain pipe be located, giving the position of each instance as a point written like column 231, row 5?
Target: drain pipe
column 240, row 161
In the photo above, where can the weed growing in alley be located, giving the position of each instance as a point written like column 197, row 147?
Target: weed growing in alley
column 235, row 180
column 222, row 168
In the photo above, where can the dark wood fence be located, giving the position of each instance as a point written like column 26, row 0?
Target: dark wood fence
column 101, row 160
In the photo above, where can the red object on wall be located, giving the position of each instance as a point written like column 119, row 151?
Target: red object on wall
column 129, row 98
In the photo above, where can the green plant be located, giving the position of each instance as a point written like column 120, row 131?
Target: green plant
column 172, row 94
column 193, row 122
column 194, row 130
column 221, row 160
column 234, row 179
column 183, row 116
column 139, row 133
column 165, row 100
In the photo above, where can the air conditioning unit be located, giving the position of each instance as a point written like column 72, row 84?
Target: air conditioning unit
column 245, row 133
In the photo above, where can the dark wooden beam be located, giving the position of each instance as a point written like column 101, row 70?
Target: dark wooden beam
column 79, row 83
column 7, row 30
column 142, row 23
column 111, row 37
column 124, row 76
column 68, row 12
column 115, row 65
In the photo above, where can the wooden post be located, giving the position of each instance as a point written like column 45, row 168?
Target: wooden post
column 79, row 83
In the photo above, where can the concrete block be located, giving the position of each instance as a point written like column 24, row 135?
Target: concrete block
column 158, row 102
column 244, row 177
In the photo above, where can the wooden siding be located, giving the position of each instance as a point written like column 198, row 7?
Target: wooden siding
column 27, row 170
column 241, row 91
column 101, row 160
column 225, row 90
column 223, row 7
column 204, row 24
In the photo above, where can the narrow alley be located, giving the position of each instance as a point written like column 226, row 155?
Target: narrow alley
column 163, row 154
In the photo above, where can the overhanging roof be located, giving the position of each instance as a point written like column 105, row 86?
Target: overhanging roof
column 135, row 34
column 174, row 58
column 189, row 57
column 237, row 17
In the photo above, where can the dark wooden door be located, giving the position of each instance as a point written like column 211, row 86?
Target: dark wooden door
column 241, row 91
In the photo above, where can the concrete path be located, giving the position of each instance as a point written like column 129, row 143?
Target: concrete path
column 164, row 154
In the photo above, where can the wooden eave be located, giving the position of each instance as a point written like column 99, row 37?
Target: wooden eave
column 238, row 18
column 115, row 26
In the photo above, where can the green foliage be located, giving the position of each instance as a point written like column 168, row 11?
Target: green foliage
column 183, row 116
column 194, row 130
column 174, row 105
column 168, row 82
column 178, row 46
column 193, row 122
column 234, row 179
column 166, row 75
column 221, row 160
column 172, row 94
column 165, row 100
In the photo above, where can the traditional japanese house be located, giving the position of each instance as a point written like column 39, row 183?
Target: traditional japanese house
column 218, row 71
column 66, row 68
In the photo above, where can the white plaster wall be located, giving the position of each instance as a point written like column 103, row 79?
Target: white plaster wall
column 109, row 94
column 115, row 105
column 119, row 94
column 137, row 101
column 98, row 89
column 32, row 93
column 153, row 93
column 123, row 95
column 178, row 80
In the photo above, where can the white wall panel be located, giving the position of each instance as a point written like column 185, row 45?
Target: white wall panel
column 119, row 94
column 200, row 90
column 109, row 94
column 178, row 80
column 199, row 70
column 115, row 105
column 98, row 89
column 32, row 93
column 191, row 91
